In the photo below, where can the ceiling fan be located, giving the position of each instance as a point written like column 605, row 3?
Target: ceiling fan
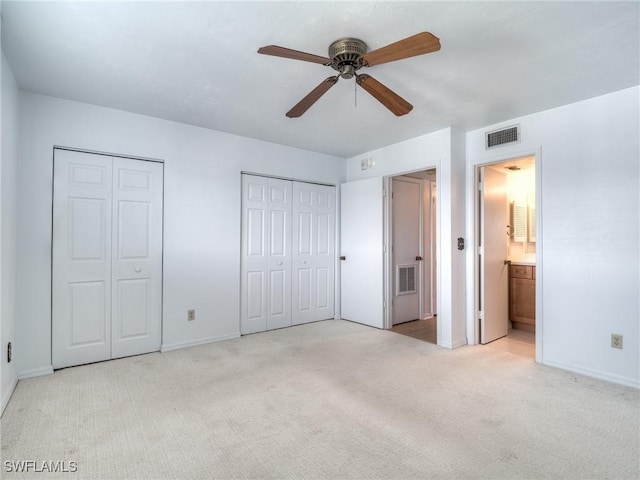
column 347, row 56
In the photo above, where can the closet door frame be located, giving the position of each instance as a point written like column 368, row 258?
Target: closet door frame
column 57, row 247
column 260, row 323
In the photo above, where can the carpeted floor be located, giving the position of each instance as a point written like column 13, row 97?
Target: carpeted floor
column 325, row 400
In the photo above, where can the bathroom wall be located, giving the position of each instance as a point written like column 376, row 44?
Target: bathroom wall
column 521, row 189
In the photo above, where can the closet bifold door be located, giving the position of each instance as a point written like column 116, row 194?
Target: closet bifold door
column 266, row 254
column 106, row 257
column 313, row 252
column 81, row 258
column 136, row 256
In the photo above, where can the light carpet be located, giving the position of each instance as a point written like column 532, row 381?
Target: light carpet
column 330, row 399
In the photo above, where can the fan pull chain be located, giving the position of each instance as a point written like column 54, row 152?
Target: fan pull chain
column 355, row 94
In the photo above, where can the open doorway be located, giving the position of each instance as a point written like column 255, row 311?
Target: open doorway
column 506, row 255
column 412, row 257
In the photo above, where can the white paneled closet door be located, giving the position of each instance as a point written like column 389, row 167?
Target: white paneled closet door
column 266, row 254
column 81, row 275
column 313, row 252
column 288, row 253
column 136, row 298
column 107, row 257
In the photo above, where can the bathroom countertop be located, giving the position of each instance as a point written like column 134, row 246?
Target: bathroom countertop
column 523, row 262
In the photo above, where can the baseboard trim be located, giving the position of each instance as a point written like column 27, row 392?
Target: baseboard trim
column 7, row 396
column 627, row 382
column 458, row 343
column 461, row 342
column 36, row 372
column 200, row 341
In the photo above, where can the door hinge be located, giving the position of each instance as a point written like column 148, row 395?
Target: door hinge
column 384, row 304
column 480, row 186
column 480, row 315
column 384, row 249
column 384, row 192
column 480, row 250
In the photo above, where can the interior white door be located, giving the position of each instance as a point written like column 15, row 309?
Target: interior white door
column 136, row 257
column 81, row 267
column 406, row 249
column 494, row 275
column 266, row 254
column 361, row 238
column 434, row 249
column 313, row 252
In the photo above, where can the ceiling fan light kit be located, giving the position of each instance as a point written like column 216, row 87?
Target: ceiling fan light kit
column 347, row 56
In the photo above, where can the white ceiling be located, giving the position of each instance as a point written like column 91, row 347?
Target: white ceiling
column 196, row 62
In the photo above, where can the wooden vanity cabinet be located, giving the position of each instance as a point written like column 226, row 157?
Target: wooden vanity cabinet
column 522, row 297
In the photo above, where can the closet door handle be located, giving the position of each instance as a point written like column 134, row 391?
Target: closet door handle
column 419, row 258
column 343, row 258
column 279, row 263
column 138, row 269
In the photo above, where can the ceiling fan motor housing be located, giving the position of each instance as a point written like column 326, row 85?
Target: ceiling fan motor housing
column 346, row 56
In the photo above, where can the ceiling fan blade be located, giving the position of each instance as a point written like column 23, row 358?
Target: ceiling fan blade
column 313, row 96
column 394, row 102
column 418, row 44
column 294, row 54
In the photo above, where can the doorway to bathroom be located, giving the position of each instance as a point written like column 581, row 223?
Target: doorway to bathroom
column 505, row 246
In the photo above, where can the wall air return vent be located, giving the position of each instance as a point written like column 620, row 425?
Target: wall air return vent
column 504, row 136
column 405, row 279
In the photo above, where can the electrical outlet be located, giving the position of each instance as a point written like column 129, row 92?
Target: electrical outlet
column 616, row 341
column 191, row 315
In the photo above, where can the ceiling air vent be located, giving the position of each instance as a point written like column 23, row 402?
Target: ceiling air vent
column 501, row 137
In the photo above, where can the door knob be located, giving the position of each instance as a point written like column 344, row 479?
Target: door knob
column 343, row 257
column 507, row 262
column 138, row 269
column 304, row 262
column 419, row 258
column 279, row 263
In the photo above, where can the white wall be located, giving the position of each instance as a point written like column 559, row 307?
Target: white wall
column 445, row 151
column 8, row 236
column 588, row 230
column 202, row 213
column 589, row 222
